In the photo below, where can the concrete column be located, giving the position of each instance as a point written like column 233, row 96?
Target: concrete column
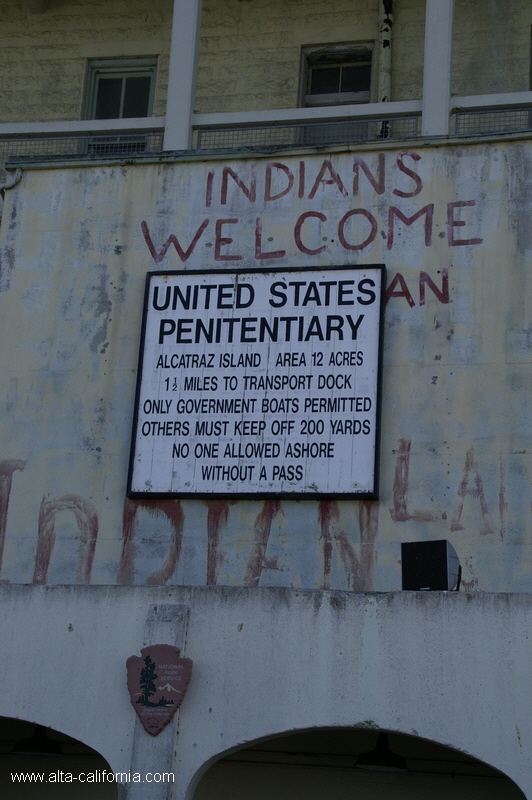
column 165, row 624
column 184, row 48
column 437, row 67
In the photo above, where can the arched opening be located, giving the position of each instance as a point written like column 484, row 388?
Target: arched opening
column 349, row 763
column 41, row 762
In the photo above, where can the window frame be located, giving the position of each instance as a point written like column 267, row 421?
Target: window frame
column 144, row 66
column 345, row 54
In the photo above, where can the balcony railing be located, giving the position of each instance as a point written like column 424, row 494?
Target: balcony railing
column 485, row 122
column 74, row 147
column 264, row 131
column 74, row 140
column 276, row 137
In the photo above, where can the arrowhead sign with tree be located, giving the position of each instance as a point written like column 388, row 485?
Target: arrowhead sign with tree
column 157, row 683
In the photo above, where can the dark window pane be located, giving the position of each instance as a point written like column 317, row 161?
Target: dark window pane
column 108, row 98
column 137, row 97
column 325, row 80
column 356, row 79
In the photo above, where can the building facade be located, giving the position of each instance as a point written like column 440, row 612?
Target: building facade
column 286, row 140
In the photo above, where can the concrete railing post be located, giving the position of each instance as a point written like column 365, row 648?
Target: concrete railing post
column 184, row 48
column 437, row 67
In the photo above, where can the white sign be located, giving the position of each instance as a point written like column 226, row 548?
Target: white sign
column 259, row 383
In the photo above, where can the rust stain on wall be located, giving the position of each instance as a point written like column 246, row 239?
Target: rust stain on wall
column 101, row 306
column 471, row 585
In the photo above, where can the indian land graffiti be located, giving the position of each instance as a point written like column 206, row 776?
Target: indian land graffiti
column 357, row 558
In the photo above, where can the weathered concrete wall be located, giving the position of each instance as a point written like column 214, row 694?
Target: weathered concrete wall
column 485, row 59
column 43, row 57
column 452, row 226
column 250, row 52
column 451, row 668
column 407, row 49
column 249, row 59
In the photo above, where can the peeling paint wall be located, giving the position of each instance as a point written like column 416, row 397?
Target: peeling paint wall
column 452, row 225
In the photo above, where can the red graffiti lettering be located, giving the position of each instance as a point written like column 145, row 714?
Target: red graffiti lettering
column 184, row 255
column 173, row 511
column 442, row 295
column 297, row 233
column 333, row 179
column 87, row 521
column 377, row 183
column 371, row 236
column 7, row 468
column 217, row 516
column 268, row 181
column 223, row 241
column 453, row 223
column 301, row 182
column 250, row 192
column 399, row 512
column 359, row 569
column 257, row 561
column 259, row 254
column 407, row 171
column 391, row 291
column 470, row 467
column 427, row 211
column 208, row 189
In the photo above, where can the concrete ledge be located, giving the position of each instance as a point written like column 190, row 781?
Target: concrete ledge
column 450, row 667
column 84, row 127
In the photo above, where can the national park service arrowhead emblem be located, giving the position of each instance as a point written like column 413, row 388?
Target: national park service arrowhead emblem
column 157, row 683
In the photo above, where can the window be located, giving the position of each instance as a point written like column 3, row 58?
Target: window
column 336, row 75
column 331, row 76
column 120, row 88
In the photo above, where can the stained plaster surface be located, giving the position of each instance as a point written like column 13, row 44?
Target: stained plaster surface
column 451, row 225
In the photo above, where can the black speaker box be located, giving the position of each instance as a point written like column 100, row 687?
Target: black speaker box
column 429, row 566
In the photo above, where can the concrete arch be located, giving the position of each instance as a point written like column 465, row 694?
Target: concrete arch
column 318, row 761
